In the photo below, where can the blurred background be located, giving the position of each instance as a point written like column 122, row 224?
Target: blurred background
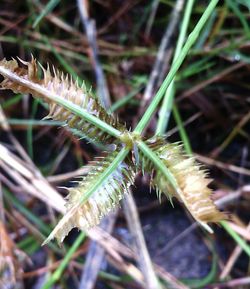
column 123, row 51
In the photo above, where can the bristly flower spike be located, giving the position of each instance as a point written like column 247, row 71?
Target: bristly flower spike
column 64, row 87
column 87, row 214
column 96, row 194
column 190, row 178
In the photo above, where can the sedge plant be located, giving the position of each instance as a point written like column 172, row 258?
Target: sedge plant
column 173, row 172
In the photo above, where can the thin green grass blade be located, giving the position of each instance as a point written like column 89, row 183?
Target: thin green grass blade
column 27, row 213
column 196, row 67
column 43, row 228
column 30, row 130
column 206, row 31
column 64, row 63
column 166, row 107
column 59, row 271
column 46, row 10
column 124, row 100
column 174, row 68
column 182, row 131
column 241, row 242
column 33, row 122
column 235, row 8
column 14, row 100
column 29, row 245
column 246, row 3
column 211, row 276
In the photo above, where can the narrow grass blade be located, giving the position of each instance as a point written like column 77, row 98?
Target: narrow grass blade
column 166, row 107
column 46, row 10
column 174, row 68
column 241, row 242
column 60, row 269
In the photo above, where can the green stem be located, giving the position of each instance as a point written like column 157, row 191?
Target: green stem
column 166, row 108
column 124, row 100
column 242, row 243
column 59, row 271
column 182, row 131
column 190, row 41
column 46, row 9
column 43, row 228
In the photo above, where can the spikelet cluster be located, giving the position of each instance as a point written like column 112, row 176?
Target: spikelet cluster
column 191, row 180
column 63, row 86
column 104, row 199
column 106, row 183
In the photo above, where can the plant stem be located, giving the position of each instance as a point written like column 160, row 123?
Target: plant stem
column 182, row 131
column 190, row 41
column 45, row 10
column 59, row 271
column 242, row 243
column 166, row 108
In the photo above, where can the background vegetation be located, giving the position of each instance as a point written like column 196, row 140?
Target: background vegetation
column 123, row 50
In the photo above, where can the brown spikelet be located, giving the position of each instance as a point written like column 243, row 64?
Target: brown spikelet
column 25, row 80
column 87, row 214
column 191, row 179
